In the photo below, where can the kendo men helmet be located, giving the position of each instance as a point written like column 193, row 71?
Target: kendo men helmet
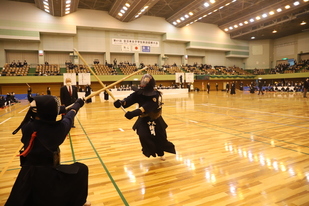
column 45, row 107
column 148, row 85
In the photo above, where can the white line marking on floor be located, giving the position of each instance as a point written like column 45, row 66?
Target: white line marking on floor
column 5, row 120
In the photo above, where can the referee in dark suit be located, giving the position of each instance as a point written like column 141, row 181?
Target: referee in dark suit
column 68, row 94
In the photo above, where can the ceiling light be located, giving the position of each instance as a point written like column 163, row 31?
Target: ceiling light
column 296, row 3
column 287, row 7
column 127, row 5
column 206, row 4
column 303, row 23
column 226, row 29
column 279, row 10
column 264, row 15
column 271, row 13
column 235, row 26
column 119, row 14
column 187, row 16
column 241, row 24
column 190, row 13
column 306, row 0
column 251, row 20
column 175, row 23
column 252, row 37
column 258, row 18
column 181, row 18
column 230, row 28
column 125, row 8
column 212, row 1
column 274, row 31
column 178, row 20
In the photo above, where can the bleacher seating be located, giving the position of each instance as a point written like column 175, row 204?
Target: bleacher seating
column 101, row 69
column 47, row 70
column 14, row 71
column 77, row 68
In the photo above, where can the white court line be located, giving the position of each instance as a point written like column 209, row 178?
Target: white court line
column 5, row 120
column 261, row 112
column 193, row 121
column 23, row 110
column 121, row 129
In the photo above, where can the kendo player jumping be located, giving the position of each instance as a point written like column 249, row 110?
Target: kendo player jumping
column 150, row 126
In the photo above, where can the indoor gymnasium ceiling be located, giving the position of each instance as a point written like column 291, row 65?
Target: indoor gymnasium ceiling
column 242, row 19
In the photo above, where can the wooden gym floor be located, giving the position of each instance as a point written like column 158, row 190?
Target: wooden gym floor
column 245, row 149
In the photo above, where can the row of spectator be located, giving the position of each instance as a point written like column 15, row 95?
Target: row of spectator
column 127, row 68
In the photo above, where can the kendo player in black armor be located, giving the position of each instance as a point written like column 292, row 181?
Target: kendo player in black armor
column 42, row 180
column 150, row 126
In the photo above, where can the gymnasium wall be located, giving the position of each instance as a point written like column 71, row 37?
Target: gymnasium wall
column 23, row 27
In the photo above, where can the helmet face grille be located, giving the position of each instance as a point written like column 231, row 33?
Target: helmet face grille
column 46, row 107
column 145, row 80
column 147, row 85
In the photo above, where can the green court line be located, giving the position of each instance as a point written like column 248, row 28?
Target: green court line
column 72, row 149
column 104, row 166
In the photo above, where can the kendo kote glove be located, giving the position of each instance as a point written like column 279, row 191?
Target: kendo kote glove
column 62, row 109
column 134, row 113
column 80, row 101
column 118, row 103
column 77, row 104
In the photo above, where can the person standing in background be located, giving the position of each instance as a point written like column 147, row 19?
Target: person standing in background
column 29, row 93
column 87, row 93
column 48, row 92
column 68, row 94
column 233, row 88
column 260, row 86
column 306, row 87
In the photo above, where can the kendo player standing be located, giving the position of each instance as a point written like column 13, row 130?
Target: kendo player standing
column 42, row 180
column 150, row 126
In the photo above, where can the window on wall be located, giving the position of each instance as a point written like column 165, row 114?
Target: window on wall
column 57, row 58
column 30, row 56
column 149, row 59
column 122, row 58
column 90, row 57
column 173, row 60
column 193, row 60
